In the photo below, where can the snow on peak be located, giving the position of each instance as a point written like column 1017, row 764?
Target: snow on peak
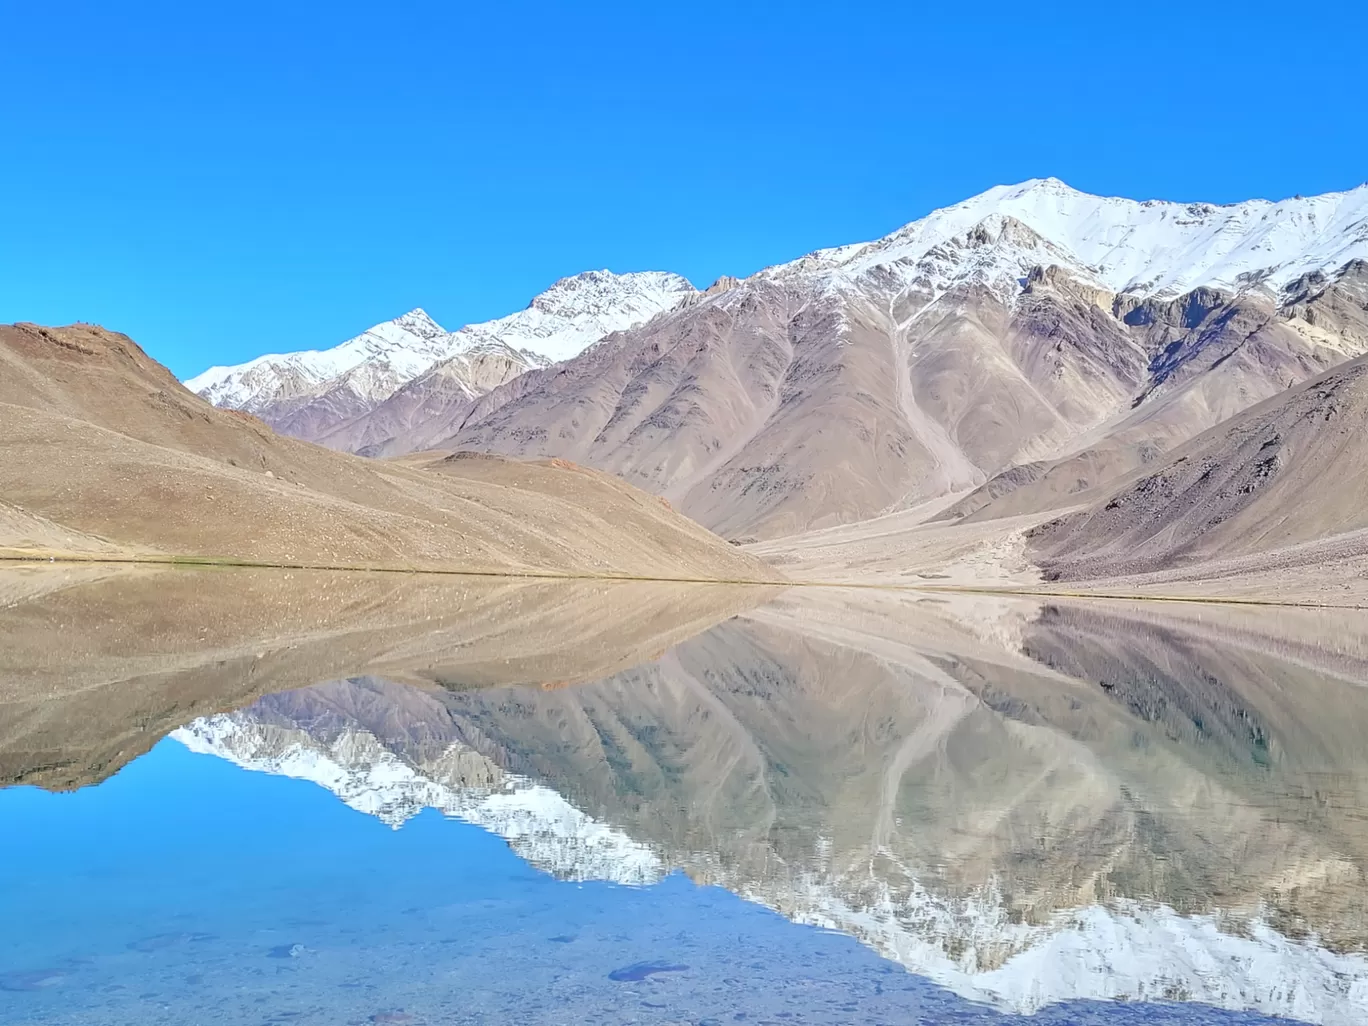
column 558, row 324
column 402, row 349
column 579, row 310
column 1151, row 247
column 1120, row 950
column 604, row 292
column 417, row 322
column 994, row 239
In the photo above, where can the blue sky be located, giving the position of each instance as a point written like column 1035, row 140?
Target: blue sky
column 224, row 179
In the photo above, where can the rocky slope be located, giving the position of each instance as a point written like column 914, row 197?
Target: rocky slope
column 1009, row 331
column 1289, row 475
column 311, row 394
column 457, row 381
column 1247, row 339
column 99, row 440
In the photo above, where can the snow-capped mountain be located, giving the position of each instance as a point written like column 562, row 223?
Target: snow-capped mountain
column 1148, row 249
column 311, row 392
column 396, row 350
column 1004, row 332
column 577, row 311
column 1118, row 950
column 1007, row 330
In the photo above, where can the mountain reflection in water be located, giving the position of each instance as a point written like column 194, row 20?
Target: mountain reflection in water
column 1039, row 808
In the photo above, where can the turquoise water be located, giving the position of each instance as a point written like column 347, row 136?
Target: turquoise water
column 337, row 801
column 187, row 890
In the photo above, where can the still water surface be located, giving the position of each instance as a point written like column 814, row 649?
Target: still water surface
column 803, row 808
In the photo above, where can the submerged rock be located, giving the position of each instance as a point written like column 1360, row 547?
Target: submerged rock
column 32, row 979
column 638, row 971
column 158, row 941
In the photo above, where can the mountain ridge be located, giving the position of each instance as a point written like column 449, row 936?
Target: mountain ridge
column 1015, row 350
column 309, row 392
column 1205, row 244
column 1107, row 235
column 858, row 381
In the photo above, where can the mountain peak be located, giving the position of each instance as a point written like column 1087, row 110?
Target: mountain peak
column 404, row 346
column 1042, row 185
column 561, row 322
column 990, row 241
column 420, row 321
column 597, row 291
column 1150, row 248
column 580, row 309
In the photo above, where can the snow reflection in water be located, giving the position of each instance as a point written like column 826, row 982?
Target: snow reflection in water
column 1099, row 807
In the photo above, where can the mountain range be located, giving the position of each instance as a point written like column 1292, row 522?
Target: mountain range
column 614, row 501
column 311, row 394
column 1019, row 353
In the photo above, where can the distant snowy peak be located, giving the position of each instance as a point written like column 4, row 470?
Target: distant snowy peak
column 392, row 352
column 1150, row 248
column 617, row 297
column 557, row 325
column 577, row 311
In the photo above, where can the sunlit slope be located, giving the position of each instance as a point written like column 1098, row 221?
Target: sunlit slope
column 100, row 440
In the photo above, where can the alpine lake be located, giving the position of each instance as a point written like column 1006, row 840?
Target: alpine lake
column 265, row 797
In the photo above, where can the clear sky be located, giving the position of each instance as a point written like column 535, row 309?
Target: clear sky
column 221, row 179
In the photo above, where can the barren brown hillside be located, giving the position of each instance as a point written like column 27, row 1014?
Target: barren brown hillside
column 101, row 449
column 1291, row 472
column 143, row 650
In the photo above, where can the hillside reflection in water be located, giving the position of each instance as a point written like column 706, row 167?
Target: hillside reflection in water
column 827, row 807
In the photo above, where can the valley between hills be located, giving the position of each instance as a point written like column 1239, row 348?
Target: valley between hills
column 1034, row 390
